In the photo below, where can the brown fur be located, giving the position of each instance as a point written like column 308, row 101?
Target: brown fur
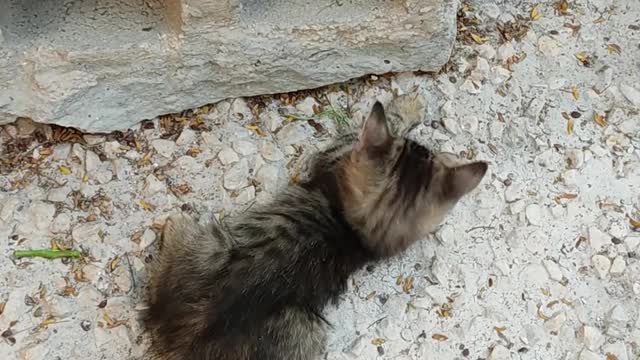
column 255, row 286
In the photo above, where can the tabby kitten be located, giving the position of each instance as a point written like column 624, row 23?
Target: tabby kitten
column 255, row 287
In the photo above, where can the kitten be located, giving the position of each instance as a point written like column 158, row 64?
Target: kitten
column 255, row 287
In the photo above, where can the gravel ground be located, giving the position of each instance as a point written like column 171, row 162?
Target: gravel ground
column 541, row 262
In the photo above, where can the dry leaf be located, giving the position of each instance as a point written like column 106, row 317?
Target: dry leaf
column 634, row 223
column 610, row 356
column 378, row 341
column 574, row 92
column 570, row 126
column 255, row 129
column 500, row 329
column 194, row 151
column 408, row 284
column 371, row 295
column 545, row 291
column 146, row 206
column 46, row 322
column 542, row 316
column 110, row 322
column 2, row 305
column 535, row 13
column 477, row 38
column 439, row 337
column 561, row 7
column 565, row 196
column 64, row 170
column 584, row 58
column 113, row 264
column 614, row 49
column 600, row 119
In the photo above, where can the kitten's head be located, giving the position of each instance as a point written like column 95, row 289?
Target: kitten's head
column 394, row 190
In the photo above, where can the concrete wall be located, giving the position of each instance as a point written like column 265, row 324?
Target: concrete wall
column 103, row 65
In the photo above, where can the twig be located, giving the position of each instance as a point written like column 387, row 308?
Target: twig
column 47, row 253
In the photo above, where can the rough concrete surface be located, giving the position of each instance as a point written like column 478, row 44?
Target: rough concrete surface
column 106, row 65
column 540, row 262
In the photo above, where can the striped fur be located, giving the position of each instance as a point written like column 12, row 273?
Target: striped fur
column 255, row 287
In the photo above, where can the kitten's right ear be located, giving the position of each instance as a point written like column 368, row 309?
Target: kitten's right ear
column 375, row 133
column 462, row 179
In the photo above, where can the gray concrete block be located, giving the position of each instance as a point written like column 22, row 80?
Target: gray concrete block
column 105, row 65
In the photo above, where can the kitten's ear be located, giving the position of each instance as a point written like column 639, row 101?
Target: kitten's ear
column 462, row 179
column 375, row 134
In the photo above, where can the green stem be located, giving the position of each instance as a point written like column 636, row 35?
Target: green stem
column 47, row 253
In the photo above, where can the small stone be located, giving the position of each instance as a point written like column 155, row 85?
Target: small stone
column 630, row 127
column 85, row 325
column 446, row 234
column 122, row 279
column 294, row 133
column 246, row 195
column 269, row 177
column 556, row 321
column 618, row 266
column 164, row 147
column 406, row 335
column 486, row 51
column 598, row 239
column 25, row 126
column 187, row 136
column 244, row 147
column 58, row 194
column 535, row 215
column 592, row 338
column 631, row 94
column 617, row 349
column 147, row 238
column 92, row 162
column 555, row 273
column 270, row 152
column 228, row 156
column 61, row 151
column 111, row 149
column 534, row 334
column 632, row 243
column 575, row 158
column 470, row 86
column 469, row 124
column 87, row 233
column 506, row 51
column 588, row 355
column 92, row 139
column 153, row 186
column 61, row 224
column 272, row 121
column 122, row 169
column 307, row 105
column 40, row 215
column 500, row 352
column 211, row 140
column 602, row 264
column 451, row 125
column 237, row 177
column 548, row 46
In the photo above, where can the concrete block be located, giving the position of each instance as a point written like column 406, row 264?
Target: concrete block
column 103, row 65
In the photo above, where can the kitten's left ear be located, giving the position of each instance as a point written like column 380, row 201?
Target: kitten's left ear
column 375, row 134
column 464, row 178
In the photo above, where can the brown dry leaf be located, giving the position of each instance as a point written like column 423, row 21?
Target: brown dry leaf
column 575, row 28
column 567, row 196
column 439, row 337
column 255, row 129
column 575, row 93
column 194, row 151
column 561, row 7
column 57, row 245
column 146, row 206
column 399, row 280
column 634, row 223
column 584, row 58
column 444, row 312
column 477, row 38
column 535, row 13
column 64, row 170
column 500, row 329
column 2, row 306
column 69, row 290
column 371, row 295
column 78, row 275
column 85, row 178
column 600, row 119
column 46, row 322
column 614, row 49
column 542, row 316
column 408, row 284
column 545, row 291
column 570, row 126
column 181, row 189
column 567, row 302
column 610, row 356
column 111, row 323
column 113, row 264
column 378, row 341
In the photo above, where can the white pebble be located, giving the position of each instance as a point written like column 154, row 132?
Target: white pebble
column 592, row 338
column 598, row 239
column 618, row 266
column 153, row 186
column 555, row 273
column 237, row 176
column 588, row 355
column 631, row 94
column 244, row 147
column 187, row 136
column 228, row 156
column 500, row 352
column 602, row 264
column 575, row 158
column 270, row 152
column 164, row 147
column 535, row 214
